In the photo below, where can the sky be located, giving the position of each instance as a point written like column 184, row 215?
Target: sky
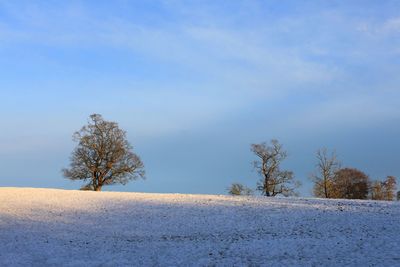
column 195, row 83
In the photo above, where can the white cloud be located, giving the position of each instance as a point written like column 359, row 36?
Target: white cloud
column 292, row 55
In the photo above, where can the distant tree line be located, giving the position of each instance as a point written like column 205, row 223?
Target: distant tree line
column 329, row 178
column 332, row 181
column 103, row 156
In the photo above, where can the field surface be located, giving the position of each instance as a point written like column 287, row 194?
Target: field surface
column 49, row 227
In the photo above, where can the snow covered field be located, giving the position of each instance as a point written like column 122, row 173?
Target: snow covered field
column 48, row 227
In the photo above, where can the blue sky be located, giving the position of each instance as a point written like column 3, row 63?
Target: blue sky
column 194, row 83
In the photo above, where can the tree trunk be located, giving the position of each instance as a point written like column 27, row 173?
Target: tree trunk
column 97, row 188
column 267, row 194
column 266, row 189
column 325, row 189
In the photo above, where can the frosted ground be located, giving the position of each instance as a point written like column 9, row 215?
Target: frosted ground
column 48, row 227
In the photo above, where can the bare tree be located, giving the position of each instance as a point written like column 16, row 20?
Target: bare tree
column 384, row 190
column 376, row 190
column 389, row 186
column 103, row 156
column 237, row 189
column 323, row 177
column 274, row 181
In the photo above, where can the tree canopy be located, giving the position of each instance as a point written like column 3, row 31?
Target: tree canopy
column 350, row 183
column 274, row 181
column 103, row 156
column 324, row 175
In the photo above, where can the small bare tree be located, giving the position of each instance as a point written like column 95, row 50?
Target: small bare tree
column 389, row 186
column 376, row 190
column 237, row 189
column 274, row 181
column 103, row 156
column 384, row 190
column 324, row 174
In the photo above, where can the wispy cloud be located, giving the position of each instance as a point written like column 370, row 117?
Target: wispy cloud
column 392, row 25
column 225, row 62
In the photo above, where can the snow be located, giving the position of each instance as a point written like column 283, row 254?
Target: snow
column 49, row 227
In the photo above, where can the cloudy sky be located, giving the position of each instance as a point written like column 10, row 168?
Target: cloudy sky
column 194, row 83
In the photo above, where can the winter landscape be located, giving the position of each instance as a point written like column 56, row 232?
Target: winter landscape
column 199, row 133
column 48, row 227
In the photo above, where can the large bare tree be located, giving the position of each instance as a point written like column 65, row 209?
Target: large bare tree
column 274, row 181
column 103, row 156
column 323, row 177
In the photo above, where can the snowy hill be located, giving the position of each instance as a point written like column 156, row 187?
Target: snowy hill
column 48, row 227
